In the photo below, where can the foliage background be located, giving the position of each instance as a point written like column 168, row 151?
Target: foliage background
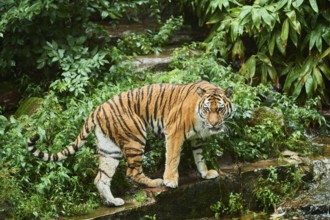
column 62, row 52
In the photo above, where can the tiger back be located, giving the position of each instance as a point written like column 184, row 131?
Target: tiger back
column 179, row 112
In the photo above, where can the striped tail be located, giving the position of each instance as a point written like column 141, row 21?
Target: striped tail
column 69, row 150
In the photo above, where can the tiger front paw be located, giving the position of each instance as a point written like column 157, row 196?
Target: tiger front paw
column 210, row 174
column 171, row 183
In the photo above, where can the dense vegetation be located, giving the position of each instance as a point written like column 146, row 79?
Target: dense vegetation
column 61, row 51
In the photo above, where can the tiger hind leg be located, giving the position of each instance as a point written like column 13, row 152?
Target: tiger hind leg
column 134, row 158
column 109, row 157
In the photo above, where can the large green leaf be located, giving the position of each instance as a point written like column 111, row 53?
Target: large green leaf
column 326, row 36
column 279, row 43
column 297, row 89
column 312, row 39
column 318, row 76
column 256, row 17
column 325, row 53
column 216, row 17
column 293, row 37
column 271, row 45
column 249, row 67
column 297, row 3
column 267, row 17
column 293, row 21
column 325, row 70
column 292, row 76
column 309, row 85
column 264, row 59
column 285, row 32
column 313, row 3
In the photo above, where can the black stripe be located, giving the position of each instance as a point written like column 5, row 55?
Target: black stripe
column 132, row 165
column 157, row 102
column 107, row 123
column 92, row 116
column 134, row 155
column 194, row 129
column 137, row 110
column 98, row 120
column 75, row 147
column 196, row 148
column 121, row 103
column 103, row 172
column 35, row 138
column 134, row 149
column 55, row 157
column 33, row 150
column 31, row 144
column 109, row 152
column 41, row 155
column 116, row 157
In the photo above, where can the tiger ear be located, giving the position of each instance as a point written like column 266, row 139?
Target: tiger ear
column 229, row 91
column 201, row 91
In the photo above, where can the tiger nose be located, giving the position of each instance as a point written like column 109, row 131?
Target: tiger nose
column 213, row 120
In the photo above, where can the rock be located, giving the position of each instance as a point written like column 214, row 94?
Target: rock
column 262, row 113
column 152, row 62
column 28, row 106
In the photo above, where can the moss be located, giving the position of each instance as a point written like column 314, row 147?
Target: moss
column 28, row 106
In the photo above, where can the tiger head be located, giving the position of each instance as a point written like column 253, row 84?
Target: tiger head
column 214, row 108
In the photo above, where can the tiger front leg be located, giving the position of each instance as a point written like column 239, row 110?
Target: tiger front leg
column 200, row 162
column 173, row 151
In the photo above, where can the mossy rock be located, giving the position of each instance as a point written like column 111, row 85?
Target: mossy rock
column 261, row 114
column 28, row 106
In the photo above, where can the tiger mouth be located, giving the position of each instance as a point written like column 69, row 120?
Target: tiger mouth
column 215, row 129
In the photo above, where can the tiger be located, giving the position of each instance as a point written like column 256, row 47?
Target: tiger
column 179, row 112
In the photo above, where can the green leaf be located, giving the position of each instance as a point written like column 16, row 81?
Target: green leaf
column 285, row 32
column 264, row 59
column 273, row 75
column 234, row 30
column 216, row 17
column 297, row 3
column 279, row 43
column 249, row 67
column 309, row 86
column 280, row 4
column 267, row 17
column 256, row 18
column 313, row 3
column 293, row 21
column 318, row 76
column 292, row 76
column 325, row 53
column 326, row 36
column 312, row 39
column 325, row 70
column 293, row 37
column 271, row 45
column 297, row 90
